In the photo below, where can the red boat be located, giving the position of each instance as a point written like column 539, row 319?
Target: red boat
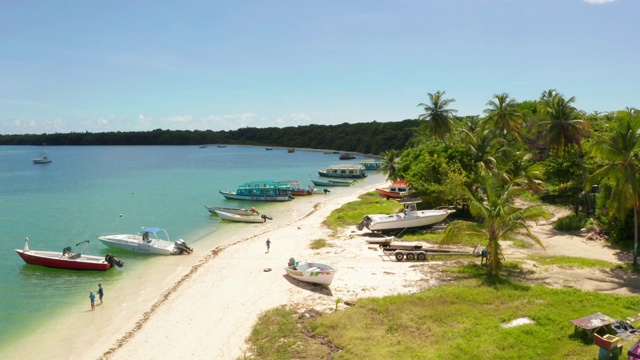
column 67, row 259
column 397, row 190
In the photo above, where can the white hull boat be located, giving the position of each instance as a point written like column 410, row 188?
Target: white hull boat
column 238, row 211
column 409, row 218
column 144, row 243
column 242, row 218
column 311, row 272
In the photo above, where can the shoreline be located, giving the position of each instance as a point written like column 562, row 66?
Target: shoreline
column 155, row 314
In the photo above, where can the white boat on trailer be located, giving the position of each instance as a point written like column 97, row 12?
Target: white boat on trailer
column 311, row 272
column 409, row 218
column 243, row 218
column 238, row 211
column 147, row 241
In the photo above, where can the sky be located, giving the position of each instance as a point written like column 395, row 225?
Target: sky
column 138, row 65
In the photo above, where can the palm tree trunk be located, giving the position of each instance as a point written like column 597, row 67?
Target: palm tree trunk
column 635, row 233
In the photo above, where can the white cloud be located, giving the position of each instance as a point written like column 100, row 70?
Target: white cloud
column 598, row 2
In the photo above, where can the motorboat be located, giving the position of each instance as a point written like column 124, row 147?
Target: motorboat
column 147, row 241
column 294, row 187
column 329, row 183
column 238, row 211
column 409, row 218
column 398, row 189
column 346, row 156
column 43, row 158
column 371, row 164
column 68, row 258
column 242, row 218
column 311, row 272
column 350, row 171
column 264, row 190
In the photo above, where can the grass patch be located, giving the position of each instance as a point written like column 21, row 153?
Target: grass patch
column 566, row 261
column 318, row 244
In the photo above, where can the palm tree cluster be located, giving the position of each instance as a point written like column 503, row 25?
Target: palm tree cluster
column 519, row 149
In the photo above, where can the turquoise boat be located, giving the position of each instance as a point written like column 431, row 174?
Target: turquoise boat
column 263, row 190
column 371, row 164
column 329, row 183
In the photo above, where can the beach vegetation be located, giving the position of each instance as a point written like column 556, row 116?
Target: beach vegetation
column 318, row 244
column 352, row 213
column 571, row 222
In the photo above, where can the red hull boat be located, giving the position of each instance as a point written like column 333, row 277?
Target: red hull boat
column 67, row 259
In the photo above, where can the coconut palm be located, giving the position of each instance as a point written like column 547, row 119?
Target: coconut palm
column 498, row 218
column 504, row 116
column 389, row 164
column 620, row 152
column 438, row 118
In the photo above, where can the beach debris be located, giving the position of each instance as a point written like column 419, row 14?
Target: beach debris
column 267, row 269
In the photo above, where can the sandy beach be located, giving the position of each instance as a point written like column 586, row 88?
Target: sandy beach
column 207, row 306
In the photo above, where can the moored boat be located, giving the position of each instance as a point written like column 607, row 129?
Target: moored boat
column 398, row 189
column 346, row 156
column 68, row 258
column 409, row 218
column 238, row 211
column 294, row 187
column 242, row 218
column 43, row 158
column 371, row 164
column 328, row 183
column 311, row 272
column 147, row 241
column 349, row 171
column 264, row 190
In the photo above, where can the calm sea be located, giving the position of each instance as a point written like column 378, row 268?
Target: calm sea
column 89, row 191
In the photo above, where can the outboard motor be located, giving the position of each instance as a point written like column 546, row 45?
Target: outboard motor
column 181, row 247
column 113, row 261
column 266, row 217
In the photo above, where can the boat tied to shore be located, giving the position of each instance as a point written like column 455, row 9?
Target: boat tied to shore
column 238, row 211
column 243, row 218
column 263, row 190
column 69, row 258
column 349, row 171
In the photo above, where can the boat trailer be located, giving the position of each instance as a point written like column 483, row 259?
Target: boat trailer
column 401, row 252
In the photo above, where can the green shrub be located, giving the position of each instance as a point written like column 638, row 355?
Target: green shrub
column 571, row 222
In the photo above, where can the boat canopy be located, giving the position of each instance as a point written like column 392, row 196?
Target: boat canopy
column 153, row 230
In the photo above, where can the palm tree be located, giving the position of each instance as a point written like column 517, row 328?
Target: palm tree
column 481, row 144
column 389, row 164
column 503, row 114
column 498, row 218
column 621, row 155
column 439, row 119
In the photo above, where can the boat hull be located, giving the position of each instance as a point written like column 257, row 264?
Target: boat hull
column 56, row 260
column 391, row 194
column 130, row 242
column 328, row 183
column 419, row 219
column 240, row 218
column 315, row 273
column 234, row 196
column 237, row 211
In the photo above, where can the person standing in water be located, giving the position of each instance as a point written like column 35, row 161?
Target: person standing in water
column 92, row 297
column 100, row 293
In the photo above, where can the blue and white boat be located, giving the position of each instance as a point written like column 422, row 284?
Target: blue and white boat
column 371, row 164
column 263, row 190
column 349, row 171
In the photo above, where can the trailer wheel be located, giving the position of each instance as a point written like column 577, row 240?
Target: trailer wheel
column 422, row 257
column 411, row 256
column 399, row 256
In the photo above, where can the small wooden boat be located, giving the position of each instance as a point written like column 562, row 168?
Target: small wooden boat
column 68, row 259
column 327, row 183
column 311, row 272
column 242, row 218
column 238, row 211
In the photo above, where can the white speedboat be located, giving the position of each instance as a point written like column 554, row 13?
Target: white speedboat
column 242, row 218
column 238, row 211
column 311, row 272
column 409, row 218
column 147, row 241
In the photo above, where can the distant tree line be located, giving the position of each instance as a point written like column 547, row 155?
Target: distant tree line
column 368, row 138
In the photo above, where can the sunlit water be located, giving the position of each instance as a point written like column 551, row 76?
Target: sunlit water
column 89, row 191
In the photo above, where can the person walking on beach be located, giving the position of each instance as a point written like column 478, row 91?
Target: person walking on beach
column 268, row 244
column 92, row 297
column 100, row 293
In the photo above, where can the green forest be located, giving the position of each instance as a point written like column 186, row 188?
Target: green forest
column 544, row 149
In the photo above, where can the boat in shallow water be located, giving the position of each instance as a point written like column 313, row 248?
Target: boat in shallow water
column 147, row 241
column 264, row 190
column 349, row 171
column 68, row 258
column 238, row 211
column 242, row 218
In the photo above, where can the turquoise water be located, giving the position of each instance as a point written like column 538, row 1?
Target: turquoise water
column 84, row 192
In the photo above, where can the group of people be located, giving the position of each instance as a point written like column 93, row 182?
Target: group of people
column 92, row 296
